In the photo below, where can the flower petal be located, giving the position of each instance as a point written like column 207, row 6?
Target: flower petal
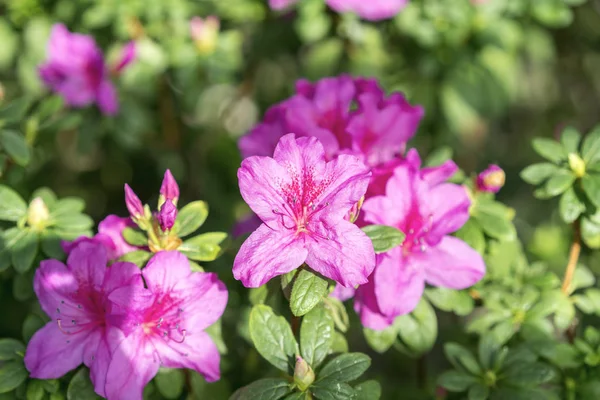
column 165, row 269
column 268, row 253
column 342, row 252
column 365, row 305
column 204, row 299
column 134, row 364
column 51, row 353
column 399, row 283
column 449, row 204
column 113, row 226
column 122, row 274
column 452, row 264
column 439, row 174
column 53, row 283
column 107, row 99
column 88, row 264
column 197, row 352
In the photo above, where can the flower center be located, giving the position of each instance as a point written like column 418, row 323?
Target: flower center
column 165, row 320
column 416, row 228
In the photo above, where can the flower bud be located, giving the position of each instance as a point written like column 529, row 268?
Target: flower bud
column 37, row 213
column 134, row 204
column 128, row 55
column 304, row 376
column 169, row 190
column 167, row 215
column 205, row 33
column 491, row 180
column 577, row 165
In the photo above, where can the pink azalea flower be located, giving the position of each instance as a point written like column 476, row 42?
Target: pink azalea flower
column 302, row 201
column 342, row 293
column 128, row 55
column 281, row 4
column 491, row 180
column 373, row 10
column 164, row 325
column 75, row 297
column 76, row 70
column 110, row 235
column 424, row 207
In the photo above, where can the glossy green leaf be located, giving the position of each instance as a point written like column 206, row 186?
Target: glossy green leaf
column 35, row 390
column 462, row 359
column 134, row 237
column 12, row 375
column 457, row 301
column 258, row 295
column 31, row 325
column 66, row 206
column 15, row 146
column 15, row 110
column 204, row 247
column 384, row 237
column 11, row 349
column 12, row 206
column 333, row 391
column 344, row 368
column 496, row 226
column 368, row 390
column 138, row 257
column 478, row 392
column 338, row 312
column 25, row 250
column 590, row 149
column 549, row 149
column 537, row 173
column 190, row 218
column 264, row 389
column 559, row 182
column 170, row 382
column 570, row 139
column 339, row 343
column 591, row 187
column 456, row 381
column 316, row 336
column 81, row 387
column 381, row 340
column 418, row 330
column 273, row 338
column 472, row 234
column 528, row 375
column 308, row 291
column 570, row 206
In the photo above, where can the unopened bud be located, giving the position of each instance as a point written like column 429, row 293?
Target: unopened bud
column 577, row 165
column 38, row 213
column 304, row 376
column 133, row 203
column 167, row 215
column 169, row 190
column 491, row 180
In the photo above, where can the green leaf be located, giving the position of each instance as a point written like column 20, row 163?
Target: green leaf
column 263, row 389
column 273, row 338
column 12, row 206
column 308, row 290
column 537, row 173
column 590, row 149
column 478, row 392
column 591, row 187
column 462, row 359
column 503, row 331
column 23, row 286
column 381, row 340
column 496, row 226
column 25, row 250
column 81, row 387
column 215, row 331
column 258, row 295
column 15, row 110
column 66, row 206
column 12, row 375
column 528, row 375
column 296, row 396
column 316, row 336
column 438, row 156
column 51, row 385
column 31, row 325
column 338, row 312
column 384, row 237
column 134, row 237
column 190, row 218
column 570, row 139
column 549, row 149
column 590, row 232
column 488, row 351
column 418, row 330
column 559, row 182
column 204, row 247
column 333, row 391
column 11, row 349
column 138, row 257
column 50, row 243
column 456, row 381
column 73, row 222
column 450, row 300
column 169, row 383
column 472, row 234
column 339, row 343
column 35, row 390
column 569, row 206
column 368, row 390
column 344, row 368
column 15, row 146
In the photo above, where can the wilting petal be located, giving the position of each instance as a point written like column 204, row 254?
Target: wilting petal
column 261, row 180
column 134, row 364
column 268, row 253
column 51, row 353
column 53, row 283
column 439, row 174
column 204, row 299
column 342, row 252
column 87, row 262
column 197, row 352
column 107, row 98
column 399, row 283
column 165, row 270
column 449, row 204
column 452, row 264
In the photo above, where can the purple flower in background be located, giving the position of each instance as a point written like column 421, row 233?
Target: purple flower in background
column 281, row 4
column 75, row 297
column 110, row 235
column 165, row 325
column 302, row 201
column 491, row 180
column 424, row 207
column 373, row 10
column 128, row 55
column 342, row 293
column 75, row 69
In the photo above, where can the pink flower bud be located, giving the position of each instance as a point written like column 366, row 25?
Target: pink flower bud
column 134, row 204
column 167, row 215
column 205, row 33
column 304, row 376
column 491, row 180
column 128, row 55
column 169, row 188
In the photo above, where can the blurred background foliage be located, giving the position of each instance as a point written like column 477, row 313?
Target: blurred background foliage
column 490, row 74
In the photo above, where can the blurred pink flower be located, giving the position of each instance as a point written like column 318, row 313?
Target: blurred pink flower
column 128, row 55
column 302, row 201
column 164, row 325
column 373, row 10
column 75, row 297
column 424, row 207
column 281, row 4
column 204, row 32
column 110, row 235
column 76, row 70
column 343, row 293
column 491, row 180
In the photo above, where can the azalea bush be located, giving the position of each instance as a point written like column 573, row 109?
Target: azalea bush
column 299, row 199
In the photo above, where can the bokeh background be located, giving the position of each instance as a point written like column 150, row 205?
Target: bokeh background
column 490, row 74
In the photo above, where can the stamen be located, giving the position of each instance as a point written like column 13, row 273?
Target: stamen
column 183, row 332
